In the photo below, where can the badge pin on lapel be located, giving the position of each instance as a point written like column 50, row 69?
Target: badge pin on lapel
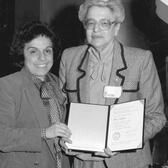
column 112, row 91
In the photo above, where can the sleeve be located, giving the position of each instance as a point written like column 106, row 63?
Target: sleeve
column 62, row 73
column 14, row 136
column 150, row 88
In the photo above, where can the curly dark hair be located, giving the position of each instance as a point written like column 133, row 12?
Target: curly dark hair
column 27, row 33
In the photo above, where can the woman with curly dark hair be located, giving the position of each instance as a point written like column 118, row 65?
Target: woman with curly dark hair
column 32, row 107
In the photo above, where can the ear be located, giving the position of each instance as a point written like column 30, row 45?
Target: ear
column 117, row 28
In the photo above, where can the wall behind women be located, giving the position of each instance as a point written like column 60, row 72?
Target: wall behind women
column 6, row 33
column 129, row 34
column 26, row 10
column 50, row 8
column 60, row 13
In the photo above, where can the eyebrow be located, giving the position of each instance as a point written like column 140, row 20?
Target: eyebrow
column 31, row 47
column 92, row 19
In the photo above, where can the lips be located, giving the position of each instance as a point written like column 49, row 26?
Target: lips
column 41, row 65
column 97, row 36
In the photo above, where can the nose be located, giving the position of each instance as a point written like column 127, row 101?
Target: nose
column 96, row 27
column 42, row 56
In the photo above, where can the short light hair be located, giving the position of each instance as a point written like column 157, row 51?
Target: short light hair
column 114, row 5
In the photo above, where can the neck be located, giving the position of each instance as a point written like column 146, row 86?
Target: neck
column 103, row 49
column 42, row 78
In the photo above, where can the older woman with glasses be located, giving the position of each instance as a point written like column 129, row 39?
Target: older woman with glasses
column 102, row 63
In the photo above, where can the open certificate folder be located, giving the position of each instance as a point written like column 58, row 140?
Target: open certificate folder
column 94, row 127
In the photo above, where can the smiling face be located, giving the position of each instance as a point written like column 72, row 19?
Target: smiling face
column 38, row 56
column 99, row 37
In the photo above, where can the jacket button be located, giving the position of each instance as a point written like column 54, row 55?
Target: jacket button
column 36, row 163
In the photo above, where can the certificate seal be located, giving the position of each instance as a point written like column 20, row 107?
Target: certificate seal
column 116, row 136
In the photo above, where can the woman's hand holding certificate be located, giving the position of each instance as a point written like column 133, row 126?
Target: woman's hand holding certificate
column 86, row 156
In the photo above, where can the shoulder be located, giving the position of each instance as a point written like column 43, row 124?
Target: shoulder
column 137, row 55
column 53, row 78
column 12, row 79
column 72, row 56
column 73, row 51
column 137, row 52
column 11, row 84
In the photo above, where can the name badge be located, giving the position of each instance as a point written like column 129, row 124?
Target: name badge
column 112, row 91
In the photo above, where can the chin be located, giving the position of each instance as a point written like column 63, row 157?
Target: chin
column 97, row 44
column 42, row 74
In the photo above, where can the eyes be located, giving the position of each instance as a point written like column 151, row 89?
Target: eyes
column 35, row 51
column 104, row 24
column 49, row 50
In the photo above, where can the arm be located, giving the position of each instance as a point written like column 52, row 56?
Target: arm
column 13, row 135
column 19, row 127
column 150, row 89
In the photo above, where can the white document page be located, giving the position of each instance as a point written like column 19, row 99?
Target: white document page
column 88, row 125
column 126, row 126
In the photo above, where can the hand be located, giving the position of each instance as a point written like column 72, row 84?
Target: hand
column 89, row 157
column 65, row 148
column 58, row 130
column 107, row 153
column 63, row 145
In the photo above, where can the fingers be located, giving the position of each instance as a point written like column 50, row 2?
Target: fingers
column 102, row 154
column 66, row 140
column 63, row 145
column 85, row 156
column 65, row 148
column 71, row 153
column 62, row 130
column 107, row 153
column 58, row 130
column 63, row 141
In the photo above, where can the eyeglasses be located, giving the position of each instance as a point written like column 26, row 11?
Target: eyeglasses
column 103, row 24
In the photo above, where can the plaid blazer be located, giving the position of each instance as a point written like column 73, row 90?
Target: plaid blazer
column 134, row 70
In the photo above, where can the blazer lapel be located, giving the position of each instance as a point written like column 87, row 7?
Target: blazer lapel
column 38, row 107
column 119, row 66
column 82, row 79
column 117, row 76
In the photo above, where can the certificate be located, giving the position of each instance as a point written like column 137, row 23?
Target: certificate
column 125, row 129
column 94, row 127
